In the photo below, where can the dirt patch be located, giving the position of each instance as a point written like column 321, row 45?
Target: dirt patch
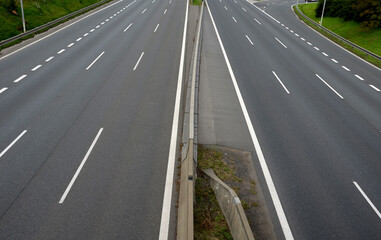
column 236, row 169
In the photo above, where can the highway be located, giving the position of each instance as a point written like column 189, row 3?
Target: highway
column 309, row 113
column 89, row 126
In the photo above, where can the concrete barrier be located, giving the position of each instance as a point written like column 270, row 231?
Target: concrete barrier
column 231, row 207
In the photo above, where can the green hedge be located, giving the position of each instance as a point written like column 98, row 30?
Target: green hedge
column 367, row 12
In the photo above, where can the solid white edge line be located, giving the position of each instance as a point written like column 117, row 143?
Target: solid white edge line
column 281, row 82
column 12, row 143
column 100, row 55
column 157, row 26
column 281, row 42
column 249, row 40
column 374, row 87
column 329, row 86
column 166, row 210
column 270, row 184
column 367, row 199
column 9, row 54
column 20, row 78
column 80, row 167
column 3, row 90
column 137, row 63
column 127, row 27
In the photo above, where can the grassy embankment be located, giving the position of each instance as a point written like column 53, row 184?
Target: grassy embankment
column 37, row 13
column 196, row 2
column 368, row 38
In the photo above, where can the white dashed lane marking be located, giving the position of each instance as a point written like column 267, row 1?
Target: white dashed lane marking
column 20, row 78
column 36, row 67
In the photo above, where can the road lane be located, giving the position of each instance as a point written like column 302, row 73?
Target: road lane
column 119, row 192
column 316, row 143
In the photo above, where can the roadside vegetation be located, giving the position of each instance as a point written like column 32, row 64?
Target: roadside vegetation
column 360, row 33
column 209, row 221
column 196, row 2
column 37, row 13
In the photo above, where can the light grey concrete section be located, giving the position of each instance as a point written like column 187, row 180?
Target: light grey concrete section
column 221, row 120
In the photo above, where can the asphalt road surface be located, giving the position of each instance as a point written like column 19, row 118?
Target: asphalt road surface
column 86, row 123
column 313, row 119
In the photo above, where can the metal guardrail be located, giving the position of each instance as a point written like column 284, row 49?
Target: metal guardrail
column 58, row 20
column 367, row 52
column 185, row 225
column 231, row 206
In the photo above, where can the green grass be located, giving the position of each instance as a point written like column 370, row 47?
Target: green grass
column 196, row 2
column 37, row 13
column 209, row 221
column 368, row 38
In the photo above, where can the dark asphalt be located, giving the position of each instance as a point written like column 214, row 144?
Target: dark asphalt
column 119, row 192
column 316, row 144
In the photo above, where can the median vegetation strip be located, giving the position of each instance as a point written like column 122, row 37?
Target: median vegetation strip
column 366, row 37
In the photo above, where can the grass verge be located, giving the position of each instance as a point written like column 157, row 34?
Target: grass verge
column 37, row 13
column 196, row 2
column 209, row 221
column 369, row 39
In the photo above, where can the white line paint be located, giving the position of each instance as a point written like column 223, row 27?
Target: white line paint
column 362, row 79
column 291, row 31
column 114, row 14
column 334, row 60
column 153, row 1
column 127, row 27
column 61, row 29
column 3, row 90
column 282, row 25
column 49, row 59
column 317, row 49
column 100, row 55
column 281, row 42
column 249, row 40
column 36, row 67
column 270, row 184
column 303, row 39
column 266, row 13
column 225, row 8
column 137, row 63
column 86, row 34
column 309, row 43
column 157, row 26
column 346, row 69
column 170, row 2
column 296, row 34
column 92, row 30
column 257, row 21
column 375, row 88
column 234, row 19
column 165, row 11
column 80, row 167
column 97, row 26
column 102, row 23
column 144, row 10
column 367, row 199
column 287, row 28
column 12, row 143
column 78, row 39
column 324, row 54
column 61, row 51
column 70, row 45
column 329, row 86
column 107, row 19
column 20, row 78
column 281, row 82
column 166, row 209
column 244, row 9
column 111, row 17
